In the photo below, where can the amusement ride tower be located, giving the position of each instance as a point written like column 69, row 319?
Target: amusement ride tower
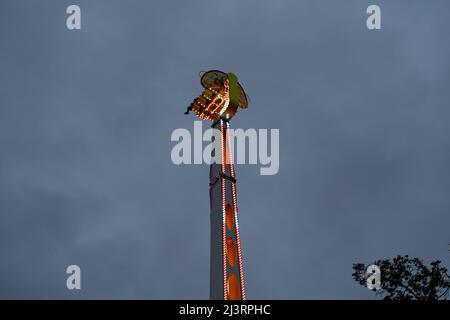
column 219, row 102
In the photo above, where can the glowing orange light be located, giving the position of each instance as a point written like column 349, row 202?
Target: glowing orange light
column 238, row 238
column 231, row 252
column 233, row 287
column 229, row 216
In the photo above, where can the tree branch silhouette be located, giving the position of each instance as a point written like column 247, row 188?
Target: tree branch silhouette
column 408, row 278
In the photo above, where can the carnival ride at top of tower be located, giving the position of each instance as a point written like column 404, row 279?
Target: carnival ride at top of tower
column 220, row 100
column 221, row 97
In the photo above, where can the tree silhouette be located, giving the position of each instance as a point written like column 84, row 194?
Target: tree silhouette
column 405, row 278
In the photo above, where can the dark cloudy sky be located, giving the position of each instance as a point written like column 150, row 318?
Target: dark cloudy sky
column 86, row 117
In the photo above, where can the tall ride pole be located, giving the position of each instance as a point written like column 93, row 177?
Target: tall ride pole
column 219, row 102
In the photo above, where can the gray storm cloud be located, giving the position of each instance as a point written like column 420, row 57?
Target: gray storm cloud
column 86, row 117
